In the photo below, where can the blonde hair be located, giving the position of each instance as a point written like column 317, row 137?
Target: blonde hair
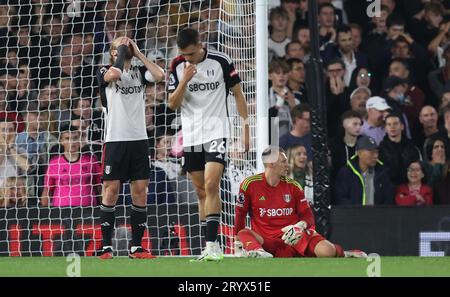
column 291, row 161
column 13, row 181
column 114, row 46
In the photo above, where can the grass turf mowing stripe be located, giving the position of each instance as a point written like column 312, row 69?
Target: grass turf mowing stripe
column 181, row 267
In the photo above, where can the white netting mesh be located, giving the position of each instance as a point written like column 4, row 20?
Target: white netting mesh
column 49, row 54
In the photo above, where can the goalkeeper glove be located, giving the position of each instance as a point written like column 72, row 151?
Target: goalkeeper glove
column 293, row 233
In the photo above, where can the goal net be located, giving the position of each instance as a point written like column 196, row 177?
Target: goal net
column 50, row 180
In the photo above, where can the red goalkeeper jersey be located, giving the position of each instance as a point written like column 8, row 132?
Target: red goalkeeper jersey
column 271, row 208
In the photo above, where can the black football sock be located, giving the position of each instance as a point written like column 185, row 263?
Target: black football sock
column 212, row 227
column 107, row 219
column 138, row 220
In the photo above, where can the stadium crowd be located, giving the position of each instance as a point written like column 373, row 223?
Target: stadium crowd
column 387, row 94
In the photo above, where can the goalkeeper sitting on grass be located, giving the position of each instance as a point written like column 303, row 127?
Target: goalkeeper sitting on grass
column 281, row 219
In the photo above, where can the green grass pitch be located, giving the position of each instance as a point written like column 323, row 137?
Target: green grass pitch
column 229, row 267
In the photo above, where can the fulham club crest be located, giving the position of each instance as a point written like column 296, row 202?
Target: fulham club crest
column 287, row 198
column 108, row 169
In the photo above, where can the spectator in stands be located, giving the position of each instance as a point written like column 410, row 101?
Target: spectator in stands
column 278, row 38
column 303, row 35
column 357, row 32
column 34, row 143
column 358, row 100
column 292, row 8
column 336, row 94
column 157, row 56
column 345, row 50
column 427, row 127
column 327, row 21
column 404, row 47
column 53, row 29
column 425, row 29
column 390, row 4
column 445, row 100
column 377, row 109
column 239, row 167
column 394, row 90
column 344, row 146
column 300, row 169
column 400, row 68
column 415, row 192
column 12, row 163
column 439, row 79
column 441, row 191
column 6, row 112
column 94, row 121
column 106, row 22
column 301, row 130
column 81, row 125
column 361, row 77
column 163, row 159
column 364, row 180
column 14, row 192
column 437, row 166
column 439, row 44
column 444, row 130
column 297, row 79
column 73, row 177
column 373, row 43
column 295, row 50
column 281, row 99
column 164, row 117
column 396, row 150
column 33, row 50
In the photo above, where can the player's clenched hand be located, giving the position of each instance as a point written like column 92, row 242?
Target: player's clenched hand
column 293, row 233
column 189, row 71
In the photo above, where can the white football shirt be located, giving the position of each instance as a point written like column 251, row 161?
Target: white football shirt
column 204, row 111
column 124, row 104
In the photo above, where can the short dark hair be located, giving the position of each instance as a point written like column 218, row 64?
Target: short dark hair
column 445, row 109
column 435, row 7
column 291, row 62
column 278, row 11
column 342, row 29
column 394, row 114
column 298, row 110
column 351, row 114
column 402, row 61
column 286, row 47
column 394, row 20
column 335, row 60
column 187, row 37
column 356, row 26
column 278, row 64
column 325, row 5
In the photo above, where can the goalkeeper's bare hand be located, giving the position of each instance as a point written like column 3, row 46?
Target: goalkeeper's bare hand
column 293, row 233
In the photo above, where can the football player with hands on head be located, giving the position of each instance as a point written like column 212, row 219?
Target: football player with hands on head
column 126, row 149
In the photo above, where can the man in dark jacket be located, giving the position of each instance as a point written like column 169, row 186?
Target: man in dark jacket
column 365, row 180
column 396, row 151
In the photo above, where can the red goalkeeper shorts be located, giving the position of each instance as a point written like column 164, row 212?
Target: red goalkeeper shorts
column 304, row 247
